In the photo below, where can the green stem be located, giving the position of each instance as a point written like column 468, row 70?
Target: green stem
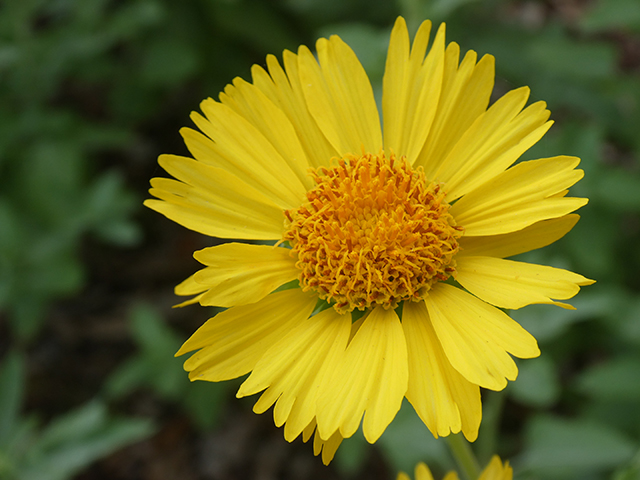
column 487, row 443
column 464, row 456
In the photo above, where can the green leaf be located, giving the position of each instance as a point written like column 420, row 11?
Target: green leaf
column 352, row 454
column 76, row 424
column 11, row 233
column 77, row 439
column 128, row 377
column 204, row 400
column 155, row 366
column 122, row 233
column 617, row 379
column 537, row 384
column 57, row 273
column 108, row 207
column 407, row 441
column 439, row 10
column 27, row 315
column 567, row 449
column 155, row 338
column 626, row 322
column 617, row 189
column 612, row 15
column 168, row 61
column 11, row 393
column 132, row 17
column 53, row 177
column 597, row 231
column 566, row 57
column 622, row 415
column 629, row 472
column 253, row 23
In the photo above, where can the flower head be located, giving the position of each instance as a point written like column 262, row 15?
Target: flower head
column 386, row 273
column 496, row 470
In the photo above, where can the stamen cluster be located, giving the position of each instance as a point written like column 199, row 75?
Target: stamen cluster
column 372, row 232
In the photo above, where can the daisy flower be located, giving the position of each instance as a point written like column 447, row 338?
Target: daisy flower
column 496, row 470
column 384, row 275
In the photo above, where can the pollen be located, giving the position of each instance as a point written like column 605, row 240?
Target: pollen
column 372, row 232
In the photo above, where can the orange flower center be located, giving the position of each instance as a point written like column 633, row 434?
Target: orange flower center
column 373, row 232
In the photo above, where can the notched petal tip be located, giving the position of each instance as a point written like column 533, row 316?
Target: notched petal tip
column 206, row 103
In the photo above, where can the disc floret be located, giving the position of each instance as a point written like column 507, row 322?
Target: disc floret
column 372, row 232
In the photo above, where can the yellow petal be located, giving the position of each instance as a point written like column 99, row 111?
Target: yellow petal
column 518, row 137
column 422, row 472
column 233, row 341
column 493, row 143
column 212, row 201
column 189, row 287
column 535, row 236
column 293, row 367
column 191, row 301
column 264, row 115
column 519, row 197
column 510, row 284
column 327, row 447
column 309, row 430
column 285, row 90
column 245, row 152
column 496, row 470
column 445, row 400
column 238, row 274
column 411, row 88
column 451, row 476
column 466, row 89
column 340, row 97
column 477, row 338
column 204, row 149
column 371, row 376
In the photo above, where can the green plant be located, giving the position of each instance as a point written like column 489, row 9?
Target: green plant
column 67, row 444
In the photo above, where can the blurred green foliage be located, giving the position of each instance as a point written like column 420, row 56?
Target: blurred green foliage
column 50, row 191
column 84, row 82
column 155, row 368
column 67, row 444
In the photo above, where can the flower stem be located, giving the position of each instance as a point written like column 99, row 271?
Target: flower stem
column 491, row 416
column 464, row 456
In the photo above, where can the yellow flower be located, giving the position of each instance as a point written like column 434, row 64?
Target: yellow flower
column 494, row 471
column 395, row 236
